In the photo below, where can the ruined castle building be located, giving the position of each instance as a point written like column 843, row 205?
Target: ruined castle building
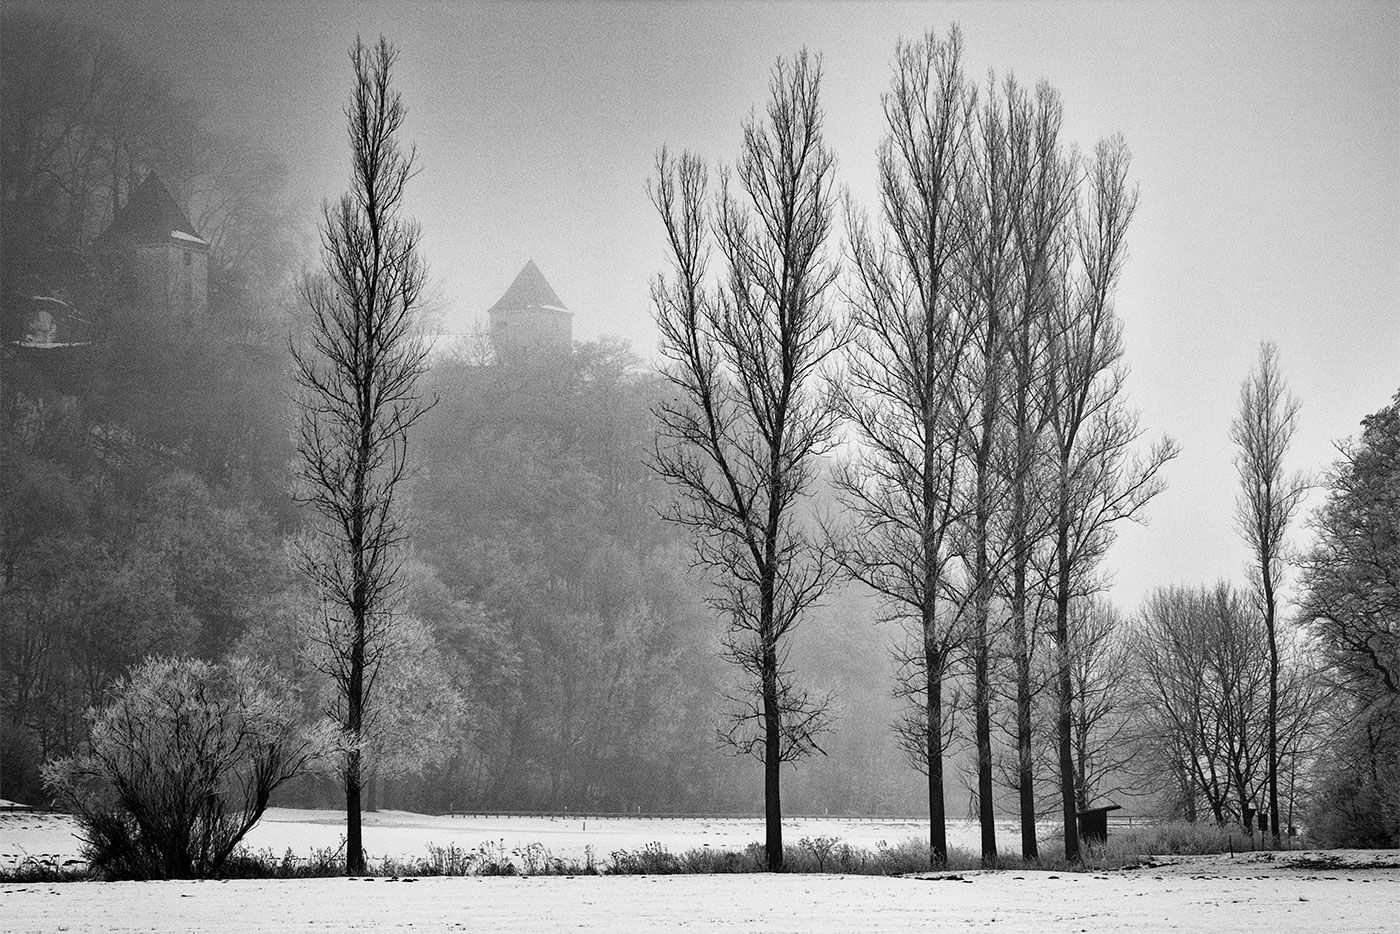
column 163, row 262
column 529, row 324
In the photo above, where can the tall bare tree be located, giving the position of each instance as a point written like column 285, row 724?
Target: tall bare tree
column 1041, row 198
column 740, row 435
column 1098, row 479
column 1269, row 498
column 358, row 373
column 989, row 284
column 899, row 387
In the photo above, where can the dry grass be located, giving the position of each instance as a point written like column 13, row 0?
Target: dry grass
column 1125, row 847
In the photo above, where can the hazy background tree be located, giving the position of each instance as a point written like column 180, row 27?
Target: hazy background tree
column 898, row 388
column 419, row 709
column 739, row 437
column 358, row 375
column 554, row 577
column 1269, row 498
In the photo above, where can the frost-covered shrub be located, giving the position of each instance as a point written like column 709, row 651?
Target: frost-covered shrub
column 906, row 856
column 821, row 849
column 1356, row 796
column 1350, row 810
column 450, row 860
column 707, row 860
column 1173, row 838
column 492, row 859
column 181, row 765
column 651, row 860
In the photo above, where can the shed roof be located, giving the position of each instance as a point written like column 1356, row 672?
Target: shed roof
column 529, row 290
column 151, row 215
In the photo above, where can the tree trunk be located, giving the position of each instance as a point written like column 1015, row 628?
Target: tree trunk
column 772, row 752
column 933, row 658
column 1188, row 794
column 354, row 842
column 937, row 818
column 1269, row 622
column 981, row 700
column 986, row 810
column 1064, row 677
column 1025, row 763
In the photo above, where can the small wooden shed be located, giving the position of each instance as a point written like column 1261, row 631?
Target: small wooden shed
column 1093, row 823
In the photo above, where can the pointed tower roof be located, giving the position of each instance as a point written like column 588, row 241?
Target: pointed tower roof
column 151, row 215
column 529, row 290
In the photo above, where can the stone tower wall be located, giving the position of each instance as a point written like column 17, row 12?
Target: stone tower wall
column 171, row 281
column 522, row 334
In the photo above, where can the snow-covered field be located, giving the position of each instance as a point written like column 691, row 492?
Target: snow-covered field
column 404, row 835
column 401, row 834
column 1348, row 892
column 1198, row 895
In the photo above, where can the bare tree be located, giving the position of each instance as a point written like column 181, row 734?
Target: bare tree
column 740, row 435
column 1200, row 689
column 899, row 387
column 1041, row 199
column 988, row 281
column 1166, row 685
column 1099, row 658
column 357, row 374
column 1269, row 498
column 1195, row 658
column 1098, row 481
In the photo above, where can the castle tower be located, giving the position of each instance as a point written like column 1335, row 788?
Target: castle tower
column 529, row 323
column 162, row 260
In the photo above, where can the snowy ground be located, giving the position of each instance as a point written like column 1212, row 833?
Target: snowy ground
column 1205, row 894
column 1349, row 891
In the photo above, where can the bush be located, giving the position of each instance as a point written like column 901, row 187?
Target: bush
column 1351, row 811
column 181, row 766
column 1357, row 798
column 652, row 859
column 707, row 860
column 1173, row 838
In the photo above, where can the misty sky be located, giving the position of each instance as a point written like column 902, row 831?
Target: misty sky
column 1265, row 136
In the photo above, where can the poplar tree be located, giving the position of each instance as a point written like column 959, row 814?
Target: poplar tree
column 1269, row 498
column 357, row 371
column 899, row 389
column 747, row 415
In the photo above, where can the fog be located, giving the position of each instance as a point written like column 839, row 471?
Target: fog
column 148, row 395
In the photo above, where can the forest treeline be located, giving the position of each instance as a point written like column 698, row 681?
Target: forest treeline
column 556, row 645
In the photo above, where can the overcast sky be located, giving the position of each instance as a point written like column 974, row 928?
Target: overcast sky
column 1265, row 136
